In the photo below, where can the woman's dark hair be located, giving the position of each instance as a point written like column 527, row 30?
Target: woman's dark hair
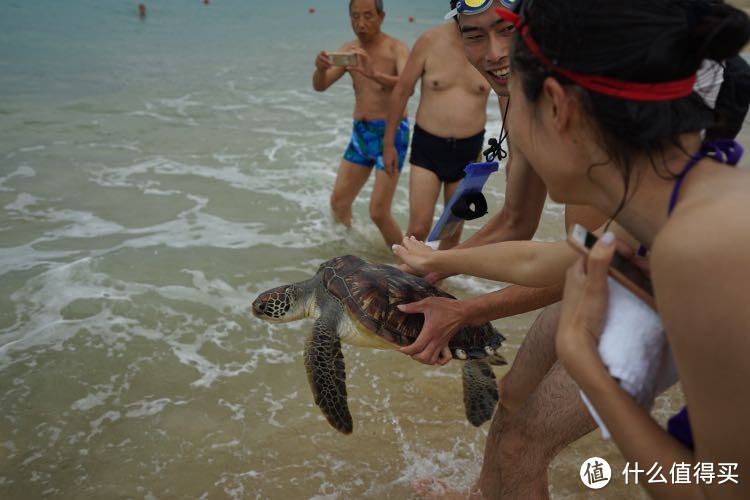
column 643, row 41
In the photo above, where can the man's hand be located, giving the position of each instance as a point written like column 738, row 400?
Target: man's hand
column 443, row 317
column 390, row 159
column 364, row 64
column 323, row 62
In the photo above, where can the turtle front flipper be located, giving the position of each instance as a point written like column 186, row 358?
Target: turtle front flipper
column 326, row 374
column 480, row 392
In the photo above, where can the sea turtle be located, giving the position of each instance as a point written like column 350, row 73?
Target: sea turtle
column 355, row 302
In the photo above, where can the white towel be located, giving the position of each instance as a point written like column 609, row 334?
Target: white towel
column 634, row 349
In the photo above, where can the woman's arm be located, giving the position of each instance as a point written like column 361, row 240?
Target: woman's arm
column 639, row 438
column 527, row 263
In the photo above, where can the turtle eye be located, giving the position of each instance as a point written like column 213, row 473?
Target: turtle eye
column 262, row 307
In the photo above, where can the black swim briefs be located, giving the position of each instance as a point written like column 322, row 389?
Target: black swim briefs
column 445, row 157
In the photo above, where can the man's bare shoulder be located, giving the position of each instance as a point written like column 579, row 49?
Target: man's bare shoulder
column 394, row 44
column 430, row 38
column 351, row 44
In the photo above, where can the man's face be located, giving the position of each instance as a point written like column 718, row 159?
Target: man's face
column 487, row 40
column 366, row 20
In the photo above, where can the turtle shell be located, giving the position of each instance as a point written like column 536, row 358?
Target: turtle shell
column 371, row 292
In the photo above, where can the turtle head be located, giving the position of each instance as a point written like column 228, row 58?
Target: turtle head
column 281, row 304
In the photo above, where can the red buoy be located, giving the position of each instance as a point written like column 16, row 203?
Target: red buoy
column 205, row 2
column 411, row 19
column 311, row 10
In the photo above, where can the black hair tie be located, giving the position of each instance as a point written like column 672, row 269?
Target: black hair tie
column 470, row 206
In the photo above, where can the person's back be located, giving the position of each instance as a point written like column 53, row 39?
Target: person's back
column 663, row 184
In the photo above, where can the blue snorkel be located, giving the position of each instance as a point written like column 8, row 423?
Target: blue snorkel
column 468, row 202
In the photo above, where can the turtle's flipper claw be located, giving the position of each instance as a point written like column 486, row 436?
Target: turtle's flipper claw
column 480, row 392
column 327, row 375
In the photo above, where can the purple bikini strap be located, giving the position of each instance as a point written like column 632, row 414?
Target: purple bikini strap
column 726, row 151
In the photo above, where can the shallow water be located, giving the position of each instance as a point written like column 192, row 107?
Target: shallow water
column 154, row 177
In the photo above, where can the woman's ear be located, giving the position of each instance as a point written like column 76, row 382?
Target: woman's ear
column 558, row 103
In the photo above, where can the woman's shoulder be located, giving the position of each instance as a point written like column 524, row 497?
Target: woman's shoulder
column 714, row 223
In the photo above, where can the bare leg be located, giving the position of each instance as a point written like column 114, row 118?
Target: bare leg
column 521, row 446
column 548, row 415
column 451, row 242
column 349, row 181
column 380, row 207
column 532, row 362
column 424, row 188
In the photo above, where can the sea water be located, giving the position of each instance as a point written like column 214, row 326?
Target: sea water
column 156, row 174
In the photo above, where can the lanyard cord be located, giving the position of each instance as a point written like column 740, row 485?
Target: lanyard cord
column 496, row 145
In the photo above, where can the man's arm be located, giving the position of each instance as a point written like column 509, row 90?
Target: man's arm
column 443, row 317
column 412, row 71
column 325, row 74
column 518, row 219
column 367, row 69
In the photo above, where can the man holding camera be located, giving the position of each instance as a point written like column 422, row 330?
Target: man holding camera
column 380, row 60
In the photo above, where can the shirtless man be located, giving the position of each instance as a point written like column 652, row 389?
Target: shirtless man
column 449, row 129
column 541, row 411
column 380, row 61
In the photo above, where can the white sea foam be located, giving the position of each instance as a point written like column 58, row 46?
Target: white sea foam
column 21, row 171
column 31, row 149
column 149, row 408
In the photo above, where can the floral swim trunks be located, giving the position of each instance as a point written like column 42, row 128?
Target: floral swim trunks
column 366, row 146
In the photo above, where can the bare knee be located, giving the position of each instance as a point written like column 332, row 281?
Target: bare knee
column 339, row 204
column 510, row 399
column 380, row 214
column 520, row 446
column 419, row 231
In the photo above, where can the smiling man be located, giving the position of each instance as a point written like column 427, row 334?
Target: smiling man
column 380, row 61
column 540, row 411
column 449, row 128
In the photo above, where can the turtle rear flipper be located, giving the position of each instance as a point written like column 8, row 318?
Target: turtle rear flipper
column 480, row 392
column 326, row 373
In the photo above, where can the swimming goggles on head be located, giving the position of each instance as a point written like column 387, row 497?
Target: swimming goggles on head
column 470, row 7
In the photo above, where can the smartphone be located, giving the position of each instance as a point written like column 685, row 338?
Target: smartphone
column 343, row 58
column 621, row 269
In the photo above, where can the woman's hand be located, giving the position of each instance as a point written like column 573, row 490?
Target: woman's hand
column 584, row 311
column 415, row 254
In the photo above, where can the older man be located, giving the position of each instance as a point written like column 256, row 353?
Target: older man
column 380, row 61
